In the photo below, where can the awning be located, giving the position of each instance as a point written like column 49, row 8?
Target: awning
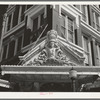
column 63, row 70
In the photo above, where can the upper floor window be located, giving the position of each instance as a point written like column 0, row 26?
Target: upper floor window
column 67, row 27
column 98, row 53
column 19, row 44
column 38, row 21
column 16, row 15
column 84, row 13
column 4, row 52
column 11, row 49
column 96, row 21
column 70, row 30
column 86, row 50
column 9, row 22
column 22, row 12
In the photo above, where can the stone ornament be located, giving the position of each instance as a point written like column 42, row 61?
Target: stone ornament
column 51, row 54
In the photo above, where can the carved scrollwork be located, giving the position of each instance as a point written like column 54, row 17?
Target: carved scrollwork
column 51, row 53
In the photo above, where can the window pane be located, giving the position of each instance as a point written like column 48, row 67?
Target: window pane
column 42, row 19
column 70, row 36
column 63, row 30
column 97, row 21
column 70, row 29
column 84, row 12
column 63, row 20
column 9, row 22
column 35, row 24
column 22, row 12
column 16, row 15
column 4, row 52
column 19, row 43
column 85, row 44
column 11, row 49
column 86, row 53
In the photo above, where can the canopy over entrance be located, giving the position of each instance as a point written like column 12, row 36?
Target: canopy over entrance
column 50, row 61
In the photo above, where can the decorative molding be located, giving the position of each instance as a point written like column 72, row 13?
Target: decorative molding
column 52, row 53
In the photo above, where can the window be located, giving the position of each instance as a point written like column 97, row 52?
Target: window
column 38, row 21
column 22, row 12
column 11, row 49
column 67, row 27
column 35, row 24
column 42, row 19
column 19, row 45
column 4, row 52
column 84, row 12
column 70, row 29
column 86, row 50
column 98, row 53
column 9, row 22
column 63, row 26
column 15, row 16
column 96, row 21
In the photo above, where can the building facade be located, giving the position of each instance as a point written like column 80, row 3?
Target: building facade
column 27, row 28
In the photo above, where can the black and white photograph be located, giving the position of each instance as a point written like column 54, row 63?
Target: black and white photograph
column 50, row 48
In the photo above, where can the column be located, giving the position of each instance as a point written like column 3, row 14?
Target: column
column 93, row 47
column 79, row 34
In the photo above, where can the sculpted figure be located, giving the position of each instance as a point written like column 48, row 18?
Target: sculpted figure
column 51, row 46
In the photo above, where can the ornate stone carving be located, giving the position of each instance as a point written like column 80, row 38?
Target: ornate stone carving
column 51, row 53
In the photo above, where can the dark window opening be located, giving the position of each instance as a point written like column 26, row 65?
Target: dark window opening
column 16, row 15
column 35, row 24
column 70, row 29
column 22, row 12
column 9, row 22
column 4, row 52
column 19, row 43
column 42, row 19
column 11, row 49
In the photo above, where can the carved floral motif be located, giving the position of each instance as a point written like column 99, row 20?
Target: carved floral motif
column 51, row 53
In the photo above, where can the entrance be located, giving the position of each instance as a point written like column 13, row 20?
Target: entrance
column 56, row 87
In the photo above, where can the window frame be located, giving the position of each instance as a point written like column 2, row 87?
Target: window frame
column 95, row 24
column 86, row 13
column 38, row 15
column 22, row 35
column 63, row 13
column 86, row 53
column 98, row 52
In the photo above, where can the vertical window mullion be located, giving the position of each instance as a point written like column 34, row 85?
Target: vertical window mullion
column 89, row 52
column 45, row 12
column 94, row 20
column 39, row 19
column 6, row 24
column 86, row 48
column 87, row 20
column 16, row 44
column 7, row 51
column 22, row 40
column 11, row 20
column 19, row 17
column 66, row 28
column 97, row 54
